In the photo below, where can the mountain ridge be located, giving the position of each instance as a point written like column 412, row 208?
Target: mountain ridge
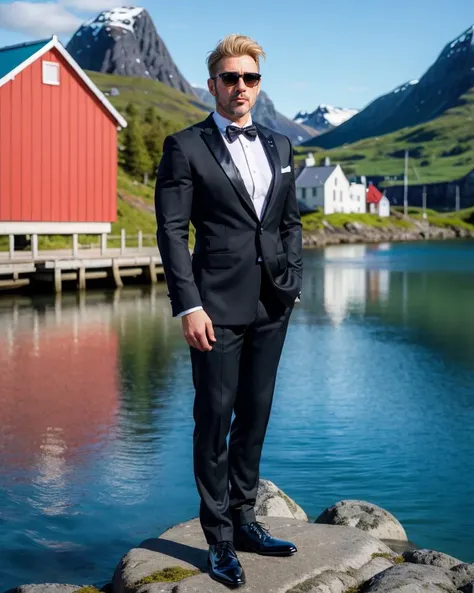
column 414, row 102
column 125, row 41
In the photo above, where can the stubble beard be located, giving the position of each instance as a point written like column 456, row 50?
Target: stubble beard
column 238, row 111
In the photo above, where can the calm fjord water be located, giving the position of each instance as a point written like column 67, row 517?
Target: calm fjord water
column 374, row 401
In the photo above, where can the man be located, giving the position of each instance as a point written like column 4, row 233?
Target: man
column 235, row 182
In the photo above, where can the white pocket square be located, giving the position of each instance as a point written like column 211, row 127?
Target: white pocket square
column 286, row 169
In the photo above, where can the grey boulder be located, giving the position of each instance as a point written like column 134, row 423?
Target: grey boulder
column 410, row 578
column 365, row 516
column 463, row 575
column 326, row 561
column 273, row 502
column 469, row 588
column 431, row 558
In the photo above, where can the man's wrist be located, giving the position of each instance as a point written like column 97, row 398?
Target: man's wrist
column 188, row 311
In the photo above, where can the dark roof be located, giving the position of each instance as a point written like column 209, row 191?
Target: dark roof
column 14, row 55
column 314, row 176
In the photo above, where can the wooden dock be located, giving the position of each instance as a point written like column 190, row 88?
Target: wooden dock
column 20, row 269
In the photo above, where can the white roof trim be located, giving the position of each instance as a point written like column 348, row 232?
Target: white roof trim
column 55, row 43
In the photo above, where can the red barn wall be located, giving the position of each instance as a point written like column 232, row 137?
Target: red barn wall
column 58, row 149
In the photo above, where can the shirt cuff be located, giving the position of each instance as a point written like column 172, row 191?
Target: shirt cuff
column 189, row 311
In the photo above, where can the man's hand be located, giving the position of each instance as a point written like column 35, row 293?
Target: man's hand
column 198, row 330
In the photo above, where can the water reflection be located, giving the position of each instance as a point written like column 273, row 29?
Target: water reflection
column 400, row 284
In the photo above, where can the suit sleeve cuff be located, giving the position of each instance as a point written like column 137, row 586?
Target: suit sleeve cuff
column 188, row 311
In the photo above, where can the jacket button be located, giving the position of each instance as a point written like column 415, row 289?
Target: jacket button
column 261, row 231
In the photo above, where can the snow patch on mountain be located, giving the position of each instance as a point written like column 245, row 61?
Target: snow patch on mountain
column 325, row 117
column 122, row 18
column 405, row 86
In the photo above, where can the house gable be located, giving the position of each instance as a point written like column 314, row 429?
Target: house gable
column 15, row 59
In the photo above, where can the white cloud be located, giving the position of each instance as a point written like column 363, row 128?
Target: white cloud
column 91, row 5
column 38, row 19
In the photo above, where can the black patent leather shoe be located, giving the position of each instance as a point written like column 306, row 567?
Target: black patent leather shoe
column 224, row 566
column 254, row 537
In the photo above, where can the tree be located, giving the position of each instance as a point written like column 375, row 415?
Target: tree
column 156, row 131
column 136, row 159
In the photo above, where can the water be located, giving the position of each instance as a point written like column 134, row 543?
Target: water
column 374, row 401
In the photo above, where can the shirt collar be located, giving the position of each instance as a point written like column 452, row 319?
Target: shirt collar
column 222, row 122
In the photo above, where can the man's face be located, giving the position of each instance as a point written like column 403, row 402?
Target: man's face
column 234, row 102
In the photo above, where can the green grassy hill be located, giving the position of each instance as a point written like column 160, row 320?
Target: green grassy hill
column 440, row 150
column 169, row 103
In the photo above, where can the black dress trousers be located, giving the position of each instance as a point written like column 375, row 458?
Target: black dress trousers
column 237, row 376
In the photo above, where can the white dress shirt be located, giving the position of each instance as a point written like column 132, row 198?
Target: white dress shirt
column 251, row 160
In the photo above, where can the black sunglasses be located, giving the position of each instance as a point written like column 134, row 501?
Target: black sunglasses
column 251, row 79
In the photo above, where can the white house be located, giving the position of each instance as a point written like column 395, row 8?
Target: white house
column 327, row 188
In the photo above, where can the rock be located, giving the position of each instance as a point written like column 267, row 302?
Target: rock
column 410, row 578
column 372, row 568
column 46, row 588
column 273, row 502
column 365, row 516
column 463, row 575
column 469, row 588
column 321, row 549
column 327, row 582
column 431, row 557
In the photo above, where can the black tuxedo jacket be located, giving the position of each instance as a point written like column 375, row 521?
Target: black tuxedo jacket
column 197, row 181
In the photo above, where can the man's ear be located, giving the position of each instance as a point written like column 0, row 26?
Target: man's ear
column 211, row 85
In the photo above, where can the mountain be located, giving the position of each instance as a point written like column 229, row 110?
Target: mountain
column 264, row 113
column 414, row 102
column 325, row 117
column 125, row 41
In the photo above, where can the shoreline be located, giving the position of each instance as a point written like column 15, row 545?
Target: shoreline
column 355, row 232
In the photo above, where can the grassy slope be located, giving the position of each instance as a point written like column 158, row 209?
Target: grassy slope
column 169, row 103
column 440, row 150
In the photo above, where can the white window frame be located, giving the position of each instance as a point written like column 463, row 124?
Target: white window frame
column 46, row 65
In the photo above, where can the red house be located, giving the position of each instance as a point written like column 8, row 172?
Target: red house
column 58, row 144
column 377, row 203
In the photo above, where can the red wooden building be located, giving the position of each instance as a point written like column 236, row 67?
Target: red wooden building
column 58, row 144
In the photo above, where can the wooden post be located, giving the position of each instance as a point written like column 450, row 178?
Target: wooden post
column 123, row 241
column 103, row 243
column 116, row 274
column 34, row 246
column 11, row 245
column 152, row 272
column 75, row 245
column 58, row 285
column 81, row 274
column 140, row 240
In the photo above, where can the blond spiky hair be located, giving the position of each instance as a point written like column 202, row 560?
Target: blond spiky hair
column 234, row 46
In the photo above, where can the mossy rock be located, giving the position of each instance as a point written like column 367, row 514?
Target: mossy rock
column 172, row 574
column 88, row 590
column 392, row 557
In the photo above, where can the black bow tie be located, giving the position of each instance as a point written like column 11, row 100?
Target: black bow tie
column 232, row 132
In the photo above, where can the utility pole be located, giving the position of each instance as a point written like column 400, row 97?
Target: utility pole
column 458, row 199
column 424, row 201
column 405, row 192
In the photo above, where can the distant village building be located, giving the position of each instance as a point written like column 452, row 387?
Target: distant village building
column 328, row 189
column 378, row 203
column 58, row 144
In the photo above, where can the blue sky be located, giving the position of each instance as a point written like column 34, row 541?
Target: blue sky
column 343, row 53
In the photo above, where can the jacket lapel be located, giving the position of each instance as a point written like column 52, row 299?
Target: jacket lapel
column 271, row 151
column 212, row 137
